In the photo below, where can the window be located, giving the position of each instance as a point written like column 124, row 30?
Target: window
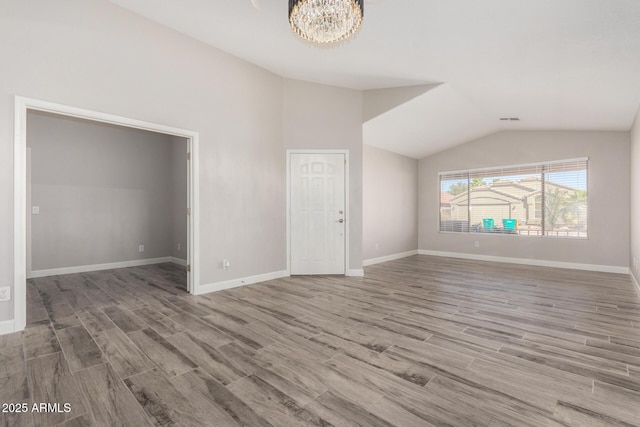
column 538, row 208
column 547, row 199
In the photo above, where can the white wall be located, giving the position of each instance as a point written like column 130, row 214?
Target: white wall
column 322, row 117
column 390, row 200
column 97, row 56
column 608, row 152
column 102, row 191
column 635, row 197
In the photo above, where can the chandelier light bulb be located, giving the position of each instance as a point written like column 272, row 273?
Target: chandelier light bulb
column 325, row 21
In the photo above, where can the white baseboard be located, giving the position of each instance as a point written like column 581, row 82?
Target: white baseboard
column 527, row 261
column 97, row 267
column 372, row 261
column 635, row 282
column 179, row 261
column 355, row 272
column 7, row 327
column 243, row 281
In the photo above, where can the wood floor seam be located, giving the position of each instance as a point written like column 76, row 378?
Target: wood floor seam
column 416, row 341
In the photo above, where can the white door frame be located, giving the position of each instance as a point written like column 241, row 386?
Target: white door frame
column 22, row 105
column 346, row 207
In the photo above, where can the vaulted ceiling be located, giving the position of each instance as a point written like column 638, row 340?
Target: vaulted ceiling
column 555, row 64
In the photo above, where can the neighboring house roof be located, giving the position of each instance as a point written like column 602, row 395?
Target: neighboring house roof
column 480, row 192
column 500, row 189
column 518, row 184
column 551, row 184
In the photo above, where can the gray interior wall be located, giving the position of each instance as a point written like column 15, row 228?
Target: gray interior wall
column 608, row 202
column 179, row 197
column 324, row 117
column 102, row 191
column 635, row 198
column 390, row 200
column 97, row 56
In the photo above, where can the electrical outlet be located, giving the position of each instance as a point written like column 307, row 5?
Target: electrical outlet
column 179, row 246
column 377, row 246
column 35, row 210
column 141, row 248
column 226, row 264
column 5, row 294
column 477, row 244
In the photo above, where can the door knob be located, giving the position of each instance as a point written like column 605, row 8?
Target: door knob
column 341, row 220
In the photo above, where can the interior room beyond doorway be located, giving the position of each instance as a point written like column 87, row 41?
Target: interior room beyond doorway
column 103, row 196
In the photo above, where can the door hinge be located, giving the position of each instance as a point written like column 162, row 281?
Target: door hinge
column 188, row 211
column 188, row 156
column 188, row 268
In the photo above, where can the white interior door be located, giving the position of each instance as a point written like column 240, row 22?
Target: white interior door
column 318, row 213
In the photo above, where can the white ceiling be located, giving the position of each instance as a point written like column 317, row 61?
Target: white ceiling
column 556, row 64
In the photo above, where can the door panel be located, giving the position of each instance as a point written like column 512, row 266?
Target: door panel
column 318, row 213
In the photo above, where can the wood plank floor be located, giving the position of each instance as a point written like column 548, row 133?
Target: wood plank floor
column 418, row 341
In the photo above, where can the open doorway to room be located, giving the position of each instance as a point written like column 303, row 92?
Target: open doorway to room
column 108, row 213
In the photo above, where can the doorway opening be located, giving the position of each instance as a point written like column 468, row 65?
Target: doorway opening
column 118, row 193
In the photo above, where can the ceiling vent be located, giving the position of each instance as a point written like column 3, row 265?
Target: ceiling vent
column 510, row 119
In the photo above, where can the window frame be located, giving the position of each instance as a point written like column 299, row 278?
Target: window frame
column 543, row 165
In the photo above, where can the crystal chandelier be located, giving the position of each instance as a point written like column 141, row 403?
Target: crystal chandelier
column 325, row 21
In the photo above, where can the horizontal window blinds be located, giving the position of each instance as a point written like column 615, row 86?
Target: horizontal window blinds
column 568, row 166
column 507, row 172
column 542, row 199
column 565, row 199
column 453, row 176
